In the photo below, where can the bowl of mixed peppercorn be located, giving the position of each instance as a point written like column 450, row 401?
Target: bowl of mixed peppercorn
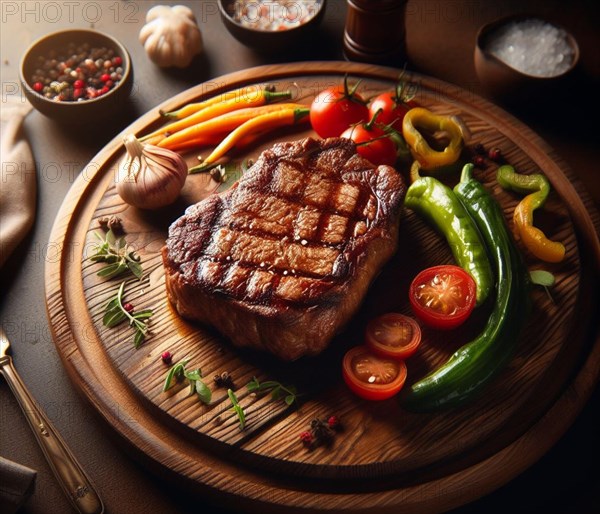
column 77, row 75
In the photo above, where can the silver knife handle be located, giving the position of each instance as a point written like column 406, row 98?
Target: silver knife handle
column 72, row 479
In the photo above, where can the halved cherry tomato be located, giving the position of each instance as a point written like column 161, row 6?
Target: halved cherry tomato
column 393, row 335
column 372, row 143
column 392, row 109
column 334, row 109
column 443, row 297
column 372, row 377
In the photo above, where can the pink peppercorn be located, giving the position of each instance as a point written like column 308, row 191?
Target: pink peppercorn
column 333, row 422
column 79, row 84
column 495, row 154
column 128, row 307
column 117, row 61
column 306, row 437
column 105, row 77
column 166, row 357
column 38, row 86
column 479, row 161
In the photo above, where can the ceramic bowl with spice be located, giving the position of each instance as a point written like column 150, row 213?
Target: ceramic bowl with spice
column 77, row 75
column 271, row 26
column 523, row 55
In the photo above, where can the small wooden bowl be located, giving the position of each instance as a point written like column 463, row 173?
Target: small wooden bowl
column 84, row 111
column 269, row 41
column 506, row 82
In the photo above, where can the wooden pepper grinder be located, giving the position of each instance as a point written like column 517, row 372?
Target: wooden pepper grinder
column 375, row 32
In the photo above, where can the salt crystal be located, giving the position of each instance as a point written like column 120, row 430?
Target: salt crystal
column 533, row 47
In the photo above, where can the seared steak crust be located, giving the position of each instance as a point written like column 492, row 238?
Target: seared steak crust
column 282, row 260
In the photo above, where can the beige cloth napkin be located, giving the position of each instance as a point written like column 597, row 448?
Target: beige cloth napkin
column 18, row 182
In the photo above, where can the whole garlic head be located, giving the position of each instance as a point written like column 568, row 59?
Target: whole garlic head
column 149, row 177
column 171, row 36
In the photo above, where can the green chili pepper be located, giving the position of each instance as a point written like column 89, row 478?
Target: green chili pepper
column 474, row 365
column 437, row 203
column 508, row 178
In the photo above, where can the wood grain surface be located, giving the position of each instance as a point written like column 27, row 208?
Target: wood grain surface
column 385, row 459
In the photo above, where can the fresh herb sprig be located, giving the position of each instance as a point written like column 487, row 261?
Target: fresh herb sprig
column 115, row 313
column 194, row 377
column 543, row 278
column 237, row 408
column 118, row 257
column 278, row 390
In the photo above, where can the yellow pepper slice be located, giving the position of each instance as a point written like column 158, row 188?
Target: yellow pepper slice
column 532, row 237
column 418, row 119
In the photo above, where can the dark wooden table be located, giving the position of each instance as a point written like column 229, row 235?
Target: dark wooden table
column 440, row 39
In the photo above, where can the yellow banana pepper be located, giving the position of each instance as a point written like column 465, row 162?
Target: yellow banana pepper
column 532, row 237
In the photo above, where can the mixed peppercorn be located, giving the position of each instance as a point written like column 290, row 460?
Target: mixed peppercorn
column 77, row 73
column 321, row 432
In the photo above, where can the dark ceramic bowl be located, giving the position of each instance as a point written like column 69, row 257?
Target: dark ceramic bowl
column 84, row 111
column 269, row 41
column 506, row 82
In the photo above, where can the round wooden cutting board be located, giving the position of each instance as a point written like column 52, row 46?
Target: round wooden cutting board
column 385, row 459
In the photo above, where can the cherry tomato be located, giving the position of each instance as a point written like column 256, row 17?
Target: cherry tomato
column 443, row 297
column 372, row 143
column 372, row 377
column 392, row 109
column 336, row 108
column 393, row 335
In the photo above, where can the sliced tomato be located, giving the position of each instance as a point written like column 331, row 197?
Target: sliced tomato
column 372, row 377
column 393, row 335
column 443, row 297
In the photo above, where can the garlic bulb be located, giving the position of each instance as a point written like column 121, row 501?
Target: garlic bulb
column 150, row 177
column 171, row 36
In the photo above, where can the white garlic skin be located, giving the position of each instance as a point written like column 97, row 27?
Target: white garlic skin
column 150, row 177
column 171, row 36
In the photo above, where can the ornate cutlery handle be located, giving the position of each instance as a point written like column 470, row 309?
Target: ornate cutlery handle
column 72, row 479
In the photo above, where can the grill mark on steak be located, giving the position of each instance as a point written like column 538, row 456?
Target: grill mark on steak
column 284, row 257
column 298, row 225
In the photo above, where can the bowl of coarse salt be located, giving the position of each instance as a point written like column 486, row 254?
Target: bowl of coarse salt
column 523, row 55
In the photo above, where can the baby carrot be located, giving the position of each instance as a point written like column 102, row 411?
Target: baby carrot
column 220, row 124
column 229, row 105
column 260, row 123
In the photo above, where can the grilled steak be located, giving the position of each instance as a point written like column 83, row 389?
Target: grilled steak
column 282, row 260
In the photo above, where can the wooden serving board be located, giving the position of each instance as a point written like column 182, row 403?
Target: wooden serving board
column 385, row 459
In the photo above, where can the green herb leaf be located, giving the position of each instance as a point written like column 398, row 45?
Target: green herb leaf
column 138, row 339
column 174, row 373
column 542, row 278
column 203, row 391
column 277, row 390
column 196, row 385
column 115, row 314
column 232, row 172
column 112, row 318
column 116, row 254
column 143, row 314
column 237, row 408
column 253, row 385
column 193, row 375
